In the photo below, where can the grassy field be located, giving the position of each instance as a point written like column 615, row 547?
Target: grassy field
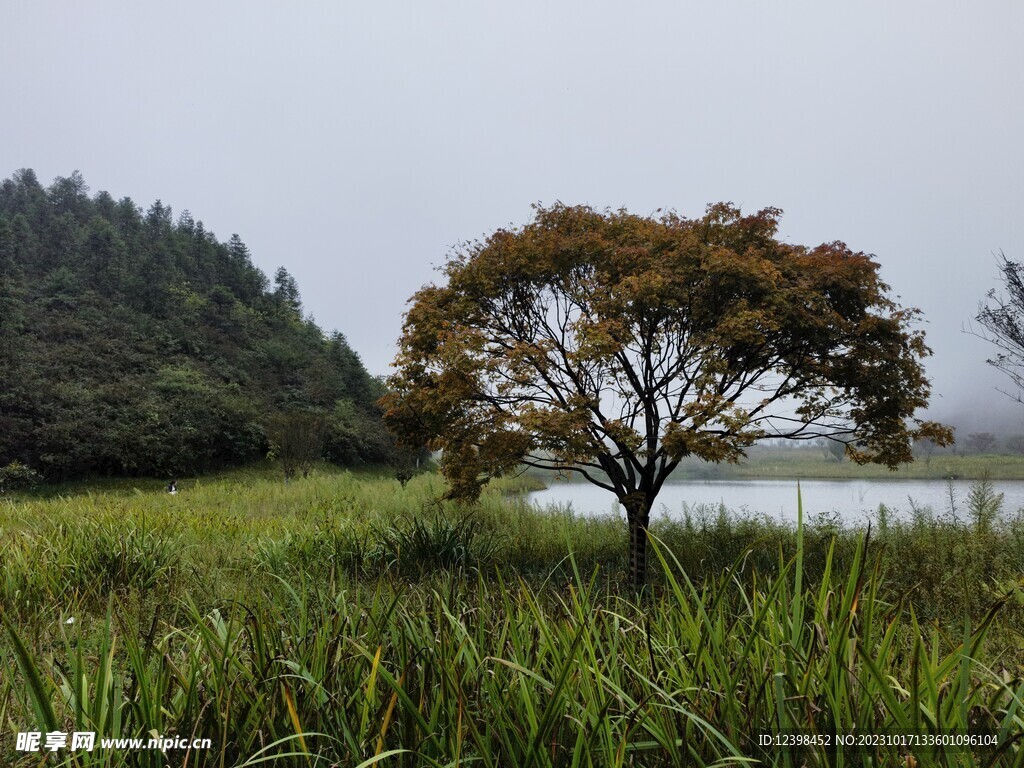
column 347, row 620
column 805, row 461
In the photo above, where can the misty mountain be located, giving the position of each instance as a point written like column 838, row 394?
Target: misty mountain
column 134, row 342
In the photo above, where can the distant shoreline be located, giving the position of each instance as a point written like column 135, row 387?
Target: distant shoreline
column 794, row 464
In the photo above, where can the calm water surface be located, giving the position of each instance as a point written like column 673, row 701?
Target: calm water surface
column 854, row 501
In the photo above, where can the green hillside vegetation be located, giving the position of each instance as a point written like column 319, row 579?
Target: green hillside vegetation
column 136, row 343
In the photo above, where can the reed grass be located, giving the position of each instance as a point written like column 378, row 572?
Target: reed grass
column 347, row 621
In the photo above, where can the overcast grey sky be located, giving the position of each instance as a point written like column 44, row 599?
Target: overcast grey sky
column 355, row 143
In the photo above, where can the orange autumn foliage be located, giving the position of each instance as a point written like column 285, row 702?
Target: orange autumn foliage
column 615, row 345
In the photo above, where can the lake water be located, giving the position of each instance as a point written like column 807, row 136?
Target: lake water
column 854, row 501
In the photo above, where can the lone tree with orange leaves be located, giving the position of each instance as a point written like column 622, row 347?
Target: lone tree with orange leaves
column 613, row 346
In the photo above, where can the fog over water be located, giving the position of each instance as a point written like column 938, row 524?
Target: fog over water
column 355, row 143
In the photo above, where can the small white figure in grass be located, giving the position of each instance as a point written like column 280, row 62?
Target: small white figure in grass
column 172, row 487
column 70, row 620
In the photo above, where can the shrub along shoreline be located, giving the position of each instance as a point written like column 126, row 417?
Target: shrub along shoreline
column 344, row 617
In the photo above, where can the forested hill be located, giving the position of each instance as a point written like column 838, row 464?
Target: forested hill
column 136, row 342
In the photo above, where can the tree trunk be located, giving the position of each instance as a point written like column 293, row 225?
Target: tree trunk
column 638, row 515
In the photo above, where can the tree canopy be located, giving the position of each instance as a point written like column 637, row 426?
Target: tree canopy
column 613, row 345
column 132, row 342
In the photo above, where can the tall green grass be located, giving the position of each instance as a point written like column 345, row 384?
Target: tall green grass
column 350, row 622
